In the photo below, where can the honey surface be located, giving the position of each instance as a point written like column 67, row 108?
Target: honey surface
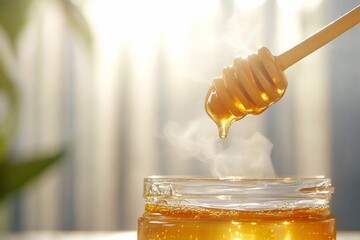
column 164, row 222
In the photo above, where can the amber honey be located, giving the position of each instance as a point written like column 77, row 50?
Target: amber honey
column 161, row 222
column 249, row 86
column 240, row 210
column 252, row 84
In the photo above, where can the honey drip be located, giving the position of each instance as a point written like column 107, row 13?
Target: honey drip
column 249, row 86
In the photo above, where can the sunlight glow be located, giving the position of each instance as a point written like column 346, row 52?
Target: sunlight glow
column 290, row 5
column 311, row 5
column 298, row 5
column 141, row 23
column 248, row 6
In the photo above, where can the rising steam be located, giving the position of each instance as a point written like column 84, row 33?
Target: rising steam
column 239, row 157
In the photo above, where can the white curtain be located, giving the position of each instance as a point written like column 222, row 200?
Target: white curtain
column 151, row 65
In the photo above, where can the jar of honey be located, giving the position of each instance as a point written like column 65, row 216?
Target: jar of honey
column 237, row 209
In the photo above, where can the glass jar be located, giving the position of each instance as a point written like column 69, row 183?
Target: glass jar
column 237, row 208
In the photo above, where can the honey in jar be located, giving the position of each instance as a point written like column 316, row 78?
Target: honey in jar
column 237, row 209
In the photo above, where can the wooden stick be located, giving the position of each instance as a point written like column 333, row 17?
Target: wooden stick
column 320, row 38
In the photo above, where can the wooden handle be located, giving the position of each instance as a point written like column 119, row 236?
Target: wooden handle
column 320, row 38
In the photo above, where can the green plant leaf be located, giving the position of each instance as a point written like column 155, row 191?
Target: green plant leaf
column 13, row 16
column 15, row 175
column 8, row 118
column 77, row 21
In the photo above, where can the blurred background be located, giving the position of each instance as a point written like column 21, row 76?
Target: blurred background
column 105, row 80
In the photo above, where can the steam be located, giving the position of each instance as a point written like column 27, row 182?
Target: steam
column 236, row 157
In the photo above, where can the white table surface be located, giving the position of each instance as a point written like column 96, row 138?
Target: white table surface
column 131, row 235
column 71, row 236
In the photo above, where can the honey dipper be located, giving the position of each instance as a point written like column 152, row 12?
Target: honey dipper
column 252, row 84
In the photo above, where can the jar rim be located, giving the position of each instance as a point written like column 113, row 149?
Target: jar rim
column 239, row 193
column 177, row 178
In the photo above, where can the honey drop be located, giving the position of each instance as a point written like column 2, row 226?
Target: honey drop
column 249, row 86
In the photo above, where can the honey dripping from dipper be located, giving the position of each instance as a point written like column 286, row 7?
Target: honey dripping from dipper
column 252, row 84
column 249, row 86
